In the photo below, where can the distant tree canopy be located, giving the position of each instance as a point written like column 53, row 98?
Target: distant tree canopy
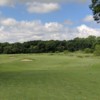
column 95, row 7
column 38, row 46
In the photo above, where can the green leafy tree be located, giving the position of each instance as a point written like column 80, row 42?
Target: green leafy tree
column 95, row 7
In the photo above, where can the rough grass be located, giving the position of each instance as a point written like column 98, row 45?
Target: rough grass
column 50, row 77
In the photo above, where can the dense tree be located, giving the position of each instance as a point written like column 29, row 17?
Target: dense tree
column 86, row 44
column 1, row 48
column 95, row 7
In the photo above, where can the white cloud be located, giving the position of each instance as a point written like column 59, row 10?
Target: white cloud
column 37, row 7
column 84, row 31
column 88, row 18
column 53, row 26
column 8, row 22
column 68, row 22
column 20, row 31
column 6, row 2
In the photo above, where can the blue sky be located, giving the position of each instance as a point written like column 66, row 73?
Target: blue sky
column 73, row 11
column 45, row 20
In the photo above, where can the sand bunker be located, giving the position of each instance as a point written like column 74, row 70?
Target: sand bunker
column 11, row 57
column 26, row 60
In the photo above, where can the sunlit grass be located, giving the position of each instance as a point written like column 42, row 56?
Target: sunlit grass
column 73, row 76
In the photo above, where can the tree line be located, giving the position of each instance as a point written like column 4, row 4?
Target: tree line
column 38, row 46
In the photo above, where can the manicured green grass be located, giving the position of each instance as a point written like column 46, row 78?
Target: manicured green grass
column 49, row 77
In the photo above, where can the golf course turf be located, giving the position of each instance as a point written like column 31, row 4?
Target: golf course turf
column 49, row 77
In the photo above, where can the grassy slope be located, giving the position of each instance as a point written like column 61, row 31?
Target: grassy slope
column 49, row 77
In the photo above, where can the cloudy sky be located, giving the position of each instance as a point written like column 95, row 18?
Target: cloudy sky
column 25, row 20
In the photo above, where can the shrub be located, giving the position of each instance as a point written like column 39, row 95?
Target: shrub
column 97, row 50
column 88, row 50
column 66, row 52
column 57, row 52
